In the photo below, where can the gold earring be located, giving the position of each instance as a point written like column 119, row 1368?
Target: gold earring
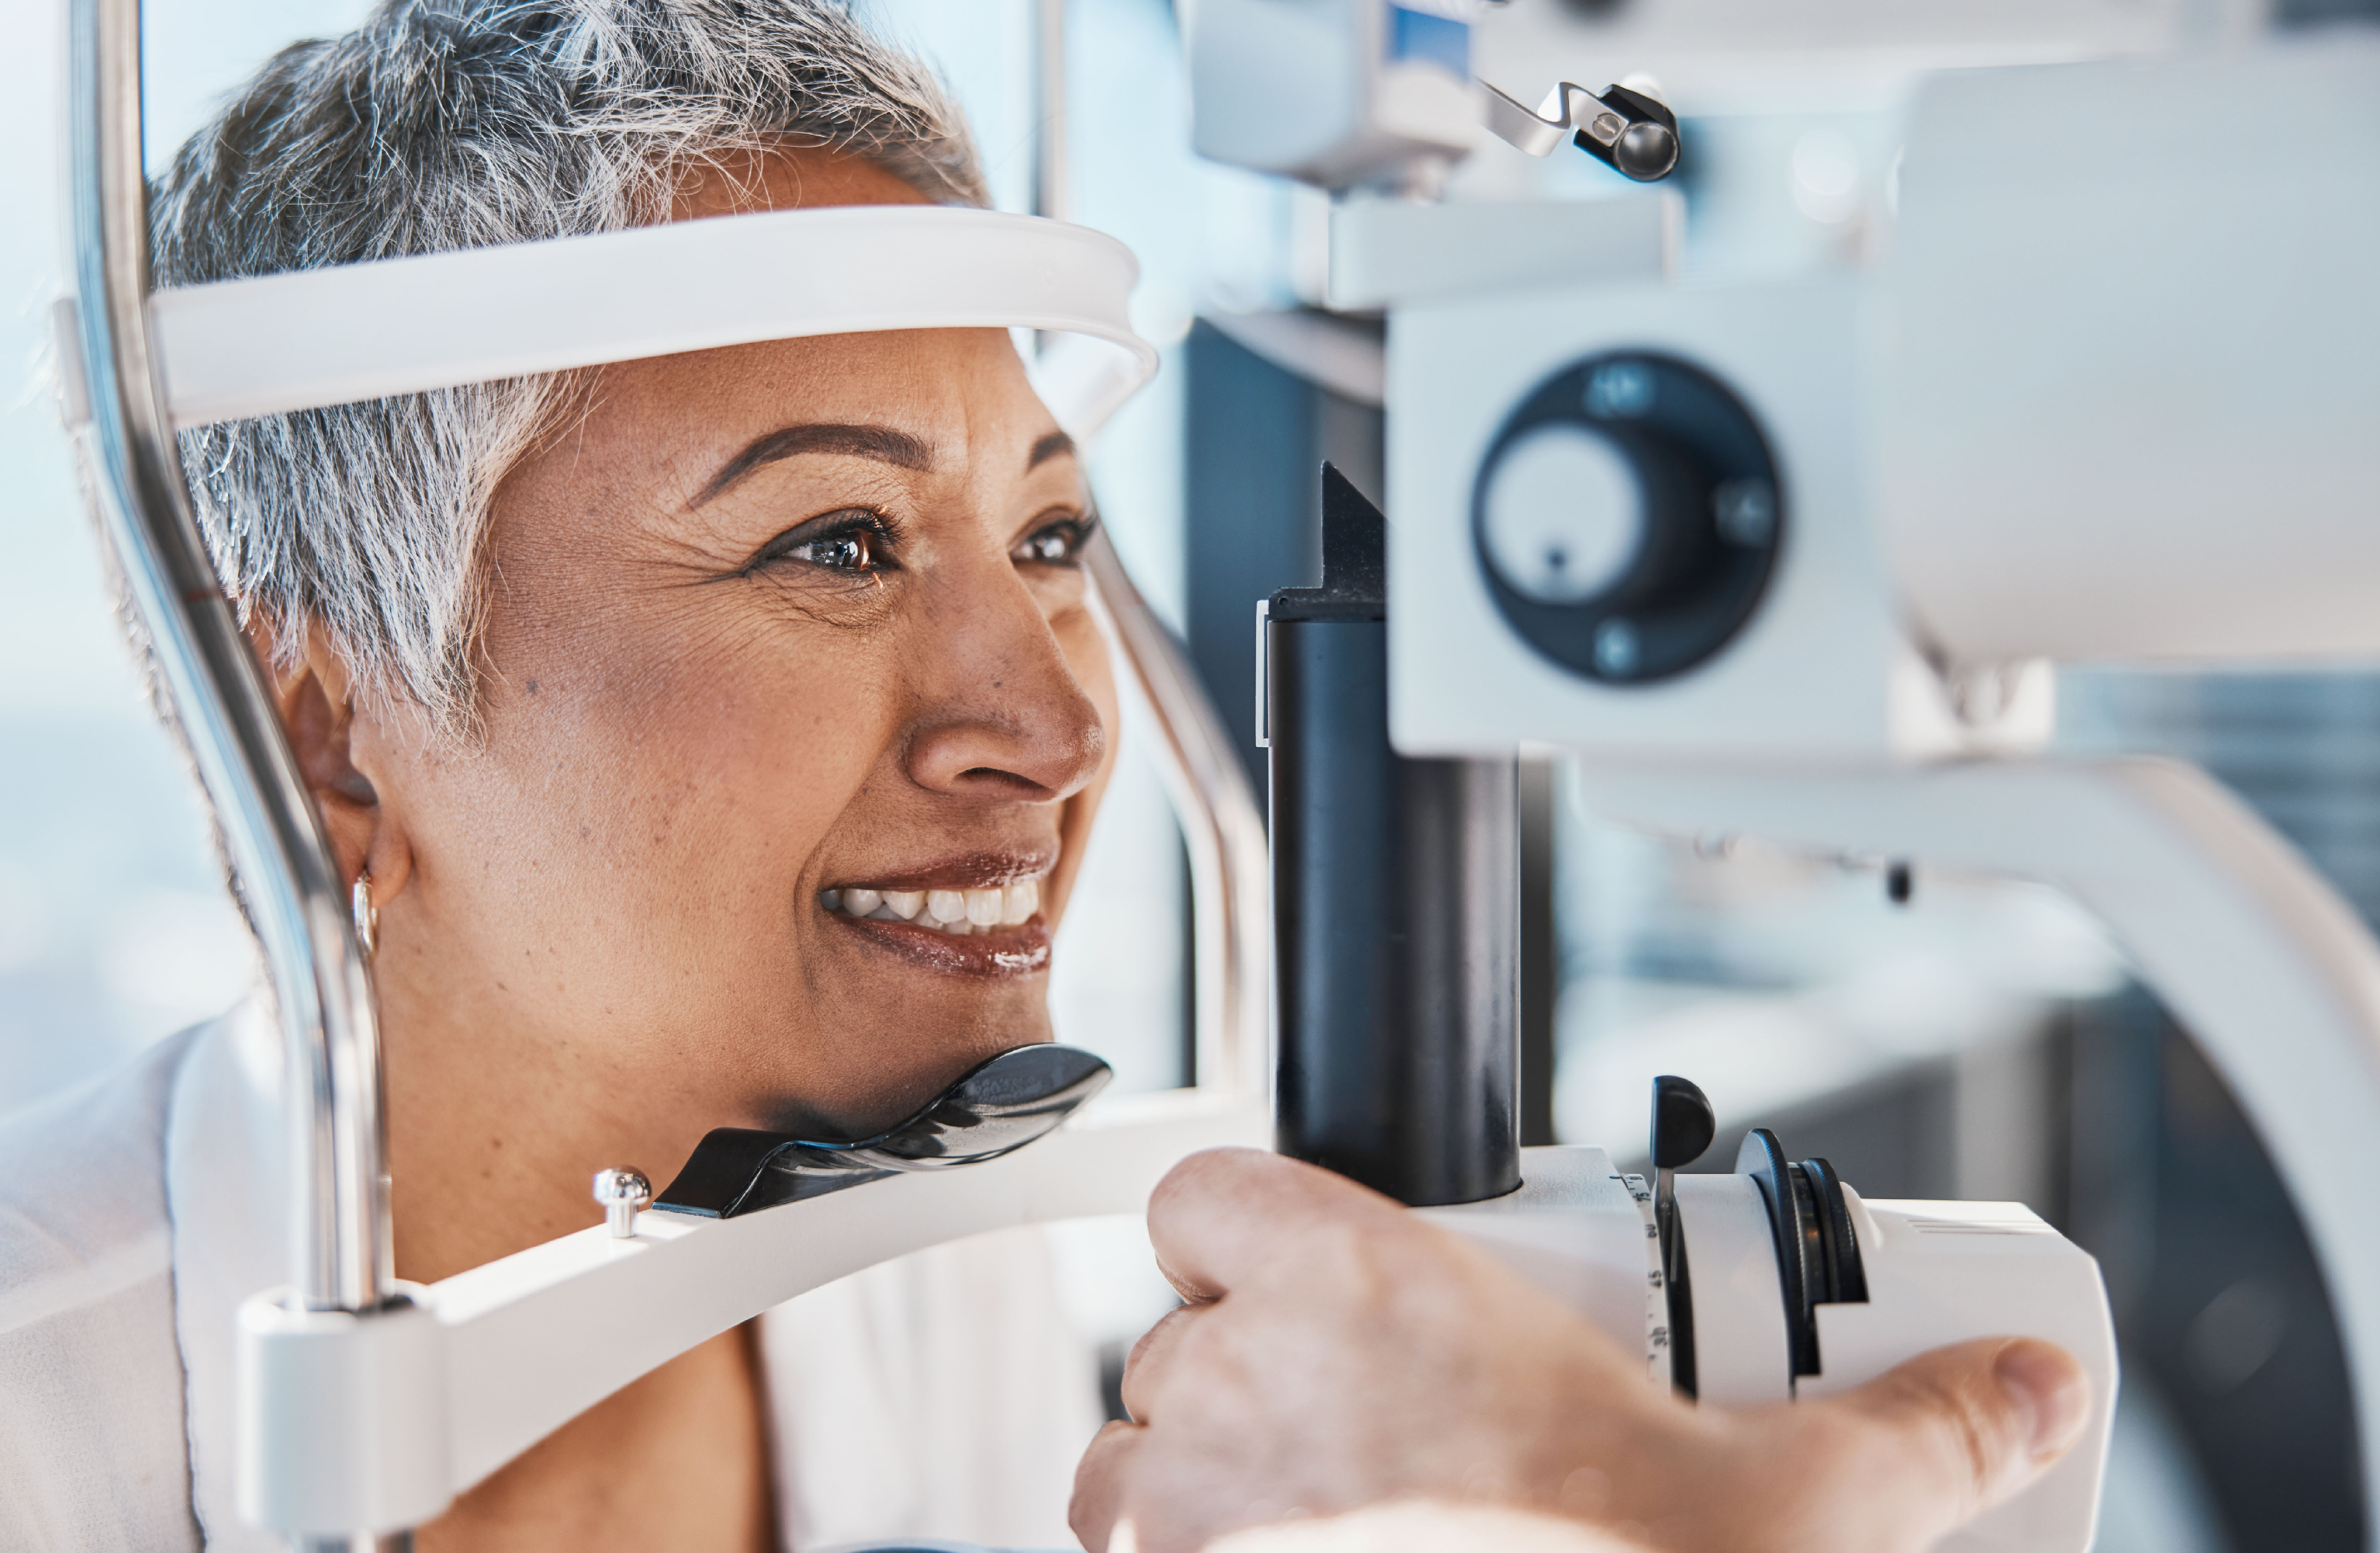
column 367, row 916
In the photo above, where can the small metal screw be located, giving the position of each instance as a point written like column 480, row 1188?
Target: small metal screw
column 1620, row 391
column 1746, row 512
column 622, row 1193
column 1616, row 649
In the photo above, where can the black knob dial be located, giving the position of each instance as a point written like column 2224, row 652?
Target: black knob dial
column 1628, row 516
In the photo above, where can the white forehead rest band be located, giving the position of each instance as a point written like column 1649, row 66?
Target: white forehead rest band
column 310, row 338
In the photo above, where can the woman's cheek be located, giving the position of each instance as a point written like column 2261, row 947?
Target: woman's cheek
column 1088, row 657
column 1092, row 661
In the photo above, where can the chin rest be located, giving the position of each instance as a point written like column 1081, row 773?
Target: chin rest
column 996, row 1107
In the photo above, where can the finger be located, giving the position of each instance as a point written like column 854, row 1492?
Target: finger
column 1100, row 1483
column 1224, row 1213
column 1959, row 1429
column 1151, row 1360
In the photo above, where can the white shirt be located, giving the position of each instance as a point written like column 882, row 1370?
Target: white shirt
column 136, row 1214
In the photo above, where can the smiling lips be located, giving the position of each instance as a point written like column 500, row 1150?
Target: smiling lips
column 978, row 915
column 958, row 912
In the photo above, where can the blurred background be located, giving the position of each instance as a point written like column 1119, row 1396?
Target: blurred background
column 1959, row 1038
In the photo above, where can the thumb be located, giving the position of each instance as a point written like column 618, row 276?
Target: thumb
column 1953, row 1432
column 1099, row 1497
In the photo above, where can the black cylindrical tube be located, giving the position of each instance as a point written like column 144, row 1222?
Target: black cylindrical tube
column 1396, row 901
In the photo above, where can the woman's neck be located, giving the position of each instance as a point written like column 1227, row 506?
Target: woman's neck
column 677, row 1460
column 489, row 1157
column 498, row 1121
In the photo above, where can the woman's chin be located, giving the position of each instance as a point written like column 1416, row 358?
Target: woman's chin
column 882, row 1074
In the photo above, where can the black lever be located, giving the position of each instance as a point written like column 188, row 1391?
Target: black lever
column 996, row 1107
column 1682, row 1127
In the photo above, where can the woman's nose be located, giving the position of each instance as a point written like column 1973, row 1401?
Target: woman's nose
column 1003, row 715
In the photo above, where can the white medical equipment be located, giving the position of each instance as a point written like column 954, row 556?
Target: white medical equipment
column 1690, row 1266
column 1351, row 93
column 1793, row 560
column 1395, row 906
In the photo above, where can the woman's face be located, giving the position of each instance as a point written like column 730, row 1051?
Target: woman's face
column 775, row 636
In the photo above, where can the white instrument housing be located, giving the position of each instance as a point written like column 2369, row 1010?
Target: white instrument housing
column 1337, row 93
column 2145, row 438
column 1820, row 671
column 2107, row 397
column 1937, row 1273
column 2124, row 397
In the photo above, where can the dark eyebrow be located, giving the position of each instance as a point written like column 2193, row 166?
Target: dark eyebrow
column 1048, row 448
column 880, row 442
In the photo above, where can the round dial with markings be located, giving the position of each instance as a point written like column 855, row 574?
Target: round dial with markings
column 1628, row 517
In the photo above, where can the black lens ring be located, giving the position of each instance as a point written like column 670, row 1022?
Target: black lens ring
column 1792, row 1232
column 1847, row 1282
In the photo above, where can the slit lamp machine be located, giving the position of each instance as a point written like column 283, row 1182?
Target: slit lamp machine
column 1783, row 560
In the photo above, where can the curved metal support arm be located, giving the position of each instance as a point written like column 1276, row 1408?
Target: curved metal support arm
column 1540, row 131
column 2268, row 967
column 1634, row 134
column 287, row 879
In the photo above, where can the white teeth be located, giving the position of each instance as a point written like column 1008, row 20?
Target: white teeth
column 960, row 913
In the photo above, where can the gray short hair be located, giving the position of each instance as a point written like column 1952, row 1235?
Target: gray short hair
column 454, row 124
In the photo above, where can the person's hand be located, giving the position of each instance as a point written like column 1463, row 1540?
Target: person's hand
column 1338, row 1351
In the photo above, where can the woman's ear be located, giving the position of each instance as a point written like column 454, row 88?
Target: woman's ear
column 315, row 696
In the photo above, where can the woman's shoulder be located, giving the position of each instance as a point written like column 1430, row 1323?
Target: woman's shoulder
column 92, row 1445
column 85, row 1205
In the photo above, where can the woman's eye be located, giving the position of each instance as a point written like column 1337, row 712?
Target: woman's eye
column 1055, row 545
column 854, row 551
column 854, row 543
